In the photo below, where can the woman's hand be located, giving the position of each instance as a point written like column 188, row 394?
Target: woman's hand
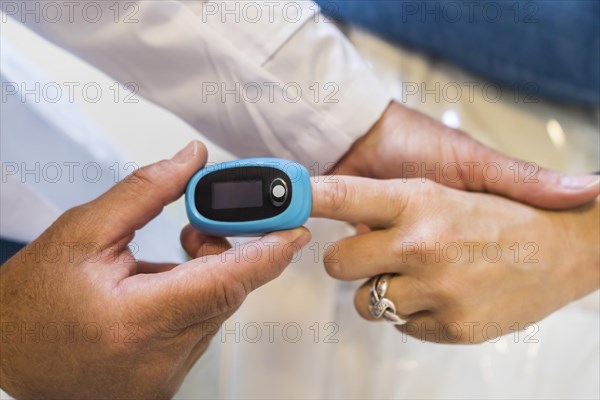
column 408, row 144
column 469, row 266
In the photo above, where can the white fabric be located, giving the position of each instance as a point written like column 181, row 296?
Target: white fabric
column 179, row 52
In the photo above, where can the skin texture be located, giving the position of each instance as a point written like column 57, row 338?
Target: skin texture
column 469, row 266
column 407, row 144
column 125, row 328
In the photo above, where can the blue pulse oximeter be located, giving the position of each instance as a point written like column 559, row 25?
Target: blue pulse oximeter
column 249, row 197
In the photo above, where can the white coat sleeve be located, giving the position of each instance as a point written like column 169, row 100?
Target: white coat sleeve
column 257, row 78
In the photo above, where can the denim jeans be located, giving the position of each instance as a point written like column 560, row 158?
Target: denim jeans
column 550, row 48
column 8, row 248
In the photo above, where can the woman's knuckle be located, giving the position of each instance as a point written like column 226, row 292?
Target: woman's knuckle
column 337, row 195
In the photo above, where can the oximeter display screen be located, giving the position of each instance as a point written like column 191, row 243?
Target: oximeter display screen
column 247, row 193
column 237, row 194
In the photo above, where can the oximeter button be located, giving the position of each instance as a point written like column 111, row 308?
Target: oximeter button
column 278, row 191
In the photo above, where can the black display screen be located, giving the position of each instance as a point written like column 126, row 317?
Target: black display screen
column 226, row 195
column 240, row 194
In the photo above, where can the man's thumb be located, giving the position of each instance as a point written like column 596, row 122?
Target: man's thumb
column 141, row 197
column 209, row 286
column 260, row 261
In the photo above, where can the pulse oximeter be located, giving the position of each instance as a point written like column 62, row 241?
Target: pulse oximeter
column 249, row 197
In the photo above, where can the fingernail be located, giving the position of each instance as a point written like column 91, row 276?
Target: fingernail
column 186, row 154
column 302, row 238
column 580, row 181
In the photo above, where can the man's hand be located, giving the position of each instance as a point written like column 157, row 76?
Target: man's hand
column 407, row 144
column 469, row 266
column 82, row 318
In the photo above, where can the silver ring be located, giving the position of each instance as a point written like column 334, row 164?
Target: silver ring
column 380, row 306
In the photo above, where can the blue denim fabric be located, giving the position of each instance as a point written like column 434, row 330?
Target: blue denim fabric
column 8, row 248
column 550, row 48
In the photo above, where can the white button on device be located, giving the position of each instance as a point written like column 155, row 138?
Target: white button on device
column 278, row 191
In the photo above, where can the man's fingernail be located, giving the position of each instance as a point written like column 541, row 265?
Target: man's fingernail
column 186, row 154
column 301, row 237
column 580, row 181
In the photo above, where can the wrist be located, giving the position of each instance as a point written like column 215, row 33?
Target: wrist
column 364, row 156
column 356, row 161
